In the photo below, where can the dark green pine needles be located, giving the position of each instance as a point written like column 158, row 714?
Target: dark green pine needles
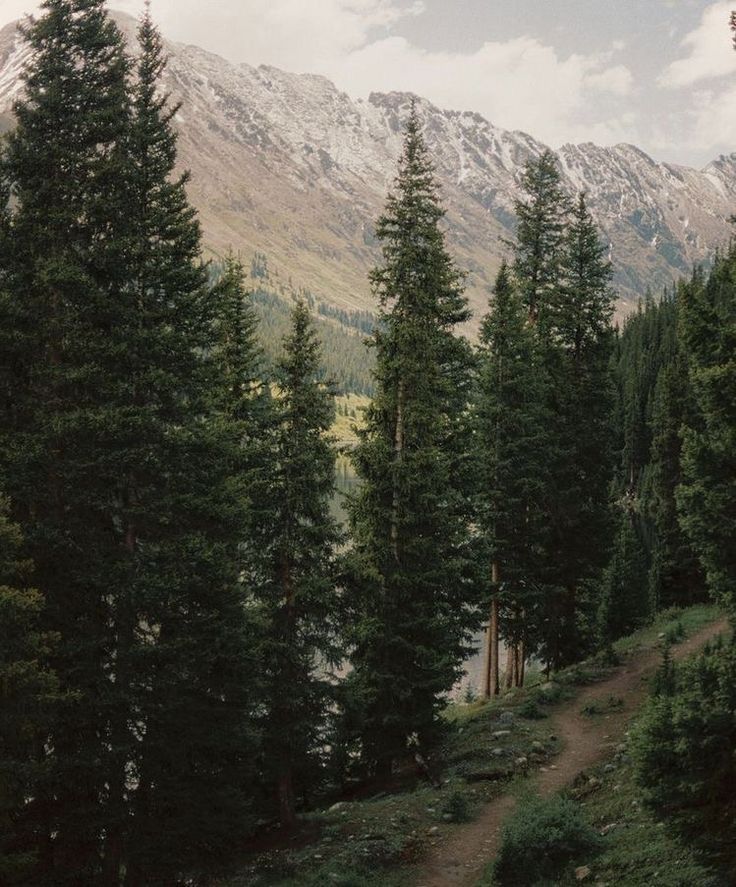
column 408, row 570
column 118, row 471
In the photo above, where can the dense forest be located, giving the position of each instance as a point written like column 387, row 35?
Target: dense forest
column 191, row 646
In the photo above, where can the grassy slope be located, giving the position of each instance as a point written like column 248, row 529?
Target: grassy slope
column 374, row 841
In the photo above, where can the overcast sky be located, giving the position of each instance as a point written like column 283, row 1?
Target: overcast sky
column 658, row 73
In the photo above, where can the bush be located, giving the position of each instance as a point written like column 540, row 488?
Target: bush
column 456, row 805
column 530, row 709
column 683, row 745
column 540, row 840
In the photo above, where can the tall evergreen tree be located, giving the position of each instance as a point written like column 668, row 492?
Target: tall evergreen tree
column 409, row 564
column 578, row 341
column 184, row 523
column 675, row 574
column 511, row 452
column 119, row 481
column 623, row 605
column 707, row 497
column 541, row 216
column 63, row 162
column 291, row 553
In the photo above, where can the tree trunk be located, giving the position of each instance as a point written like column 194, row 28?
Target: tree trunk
column 510, row 661
column 491, row 683
column 519, row 664
column 398, row 452
column 287, row 803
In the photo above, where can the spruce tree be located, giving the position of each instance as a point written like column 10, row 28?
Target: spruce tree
column 675, row 575
column 511, row 453
column 64, row 162
column 541, row 215
column 28, row 696
column 623, row 605
column 119, row 481
column 707, row 496
column 291, row 554
column 192, row 682
column 577, row 339
column 409, row 571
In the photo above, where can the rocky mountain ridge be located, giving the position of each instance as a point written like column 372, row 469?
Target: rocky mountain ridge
column 289, row 166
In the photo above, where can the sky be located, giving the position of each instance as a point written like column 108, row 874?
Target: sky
column 660, row 74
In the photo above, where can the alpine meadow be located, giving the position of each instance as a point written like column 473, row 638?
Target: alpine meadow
column 367, row 471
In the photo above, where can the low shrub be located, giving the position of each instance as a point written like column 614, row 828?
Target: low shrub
column 541, row 839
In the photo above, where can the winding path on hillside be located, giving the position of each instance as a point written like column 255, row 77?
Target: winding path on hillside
column 459, row 860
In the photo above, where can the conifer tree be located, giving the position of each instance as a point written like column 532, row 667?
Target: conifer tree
column 63, row 163
column 675, row 575
column 624, row 605
column 578, row 343
column 707, row 497
column 409, row 571
column 185, row 520
column 511, row 452
column 118, row 480
column 291, row 554
column 28, row 695
column 541, row 216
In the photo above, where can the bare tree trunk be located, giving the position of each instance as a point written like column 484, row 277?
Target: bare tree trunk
column 519, row 664
column 510, row 661
column 490, row 673
column 398, row 452
column 287, row 803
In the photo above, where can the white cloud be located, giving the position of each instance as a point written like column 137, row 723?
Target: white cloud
column 709, row 49
column 518, row 84
column 297, row 35
column 617, row 80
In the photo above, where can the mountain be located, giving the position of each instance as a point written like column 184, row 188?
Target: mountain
column 289, row 166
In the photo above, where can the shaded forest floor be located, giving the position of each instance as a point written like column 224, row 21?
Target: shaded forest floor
column 541, row 739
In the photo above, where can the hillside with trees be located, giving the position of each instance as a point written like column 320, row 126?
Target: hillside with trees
column 198, row 660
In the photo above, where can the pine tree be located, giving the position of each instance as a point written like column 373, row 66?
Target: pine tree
column 409, row 571
column 624, row 605
column 185, row 520
column 707, row 497
column 292, row 553
column 675, row 576
column 577, row 341
column 119, row 481
column 541, row 217
column 28, row 695
column 511, row 453
column 63, row 163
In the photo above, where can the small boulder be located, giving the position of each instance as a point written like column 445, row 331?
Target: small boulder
column 506, row 717
column 609, row 768
column 583, row 873
column 499, row 734
column 537, row 747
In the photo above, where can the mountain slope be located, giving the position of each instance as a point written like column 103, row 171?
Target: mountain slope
column 289, row 166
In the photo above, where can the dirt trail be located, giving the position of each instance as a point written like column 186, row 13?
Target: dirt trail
column 460, row 860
